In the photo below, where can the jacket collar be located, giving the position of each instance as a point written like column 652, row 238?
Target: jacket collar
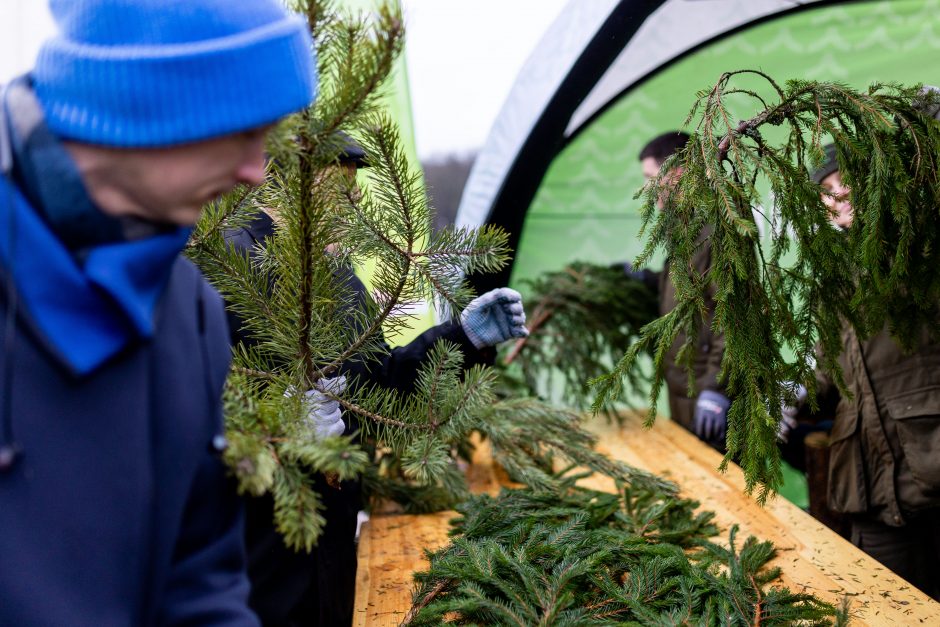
column 47, row 176
column 87, row 308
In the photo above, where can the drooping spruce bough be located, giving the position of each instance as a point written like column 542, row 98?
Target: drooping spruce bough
column 305, row 320
column 581, row 320
column 582, row 557
column 775, row 301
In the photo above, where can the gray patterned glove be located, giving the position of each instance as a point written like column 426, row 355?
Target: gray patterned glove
column 788, row 412
column 494, row 317
column 710, row 421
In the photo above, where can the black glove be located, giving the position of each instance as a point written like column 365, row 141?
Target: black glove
column 710, row 421
column 627, row 268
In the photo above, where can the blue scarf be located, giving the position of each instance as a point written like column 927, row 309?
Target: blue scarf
column 87, row 312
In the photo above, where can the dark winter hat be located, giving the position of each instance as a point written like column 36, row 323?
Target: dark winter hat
column 146, row 73
column 350, row 151
column 829, row 165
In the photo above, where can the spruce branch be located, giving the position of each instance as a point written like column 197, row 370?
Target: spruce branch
column 582, row 320
column 576, row 557
column 795, row 292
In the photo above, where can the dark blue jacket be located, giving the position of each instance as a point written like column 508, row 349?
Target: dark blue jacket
column 117, row 511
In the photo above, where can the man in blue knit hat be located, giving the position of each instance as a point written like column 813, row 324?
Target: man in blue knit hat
column 114, row 506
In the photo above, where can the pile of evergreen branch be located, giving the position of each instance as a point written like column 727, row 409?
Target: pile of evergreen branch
column 581, row 321
column 582, row 557
column 881, row 273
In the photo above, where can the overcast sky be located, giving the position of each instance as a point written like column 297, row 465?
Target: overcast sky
column 462, row 58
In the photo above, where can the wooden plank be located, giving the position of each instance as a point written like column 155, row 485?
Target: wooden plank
column 391, row 547
column 812, row 557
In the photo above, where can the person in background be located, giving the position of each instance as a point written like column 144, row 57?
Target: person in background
column 289, row 588
column 884, row 466
column 705, row 412
column 115, row 509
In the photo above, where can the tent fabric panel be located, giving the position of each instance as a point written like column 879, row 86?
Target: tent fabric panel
column 553, row 57
column 677, row 26
column 547, row 136
column 538, row 80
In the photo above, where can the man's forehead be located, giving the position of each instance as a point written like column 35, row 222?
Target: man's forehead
column 833, row 178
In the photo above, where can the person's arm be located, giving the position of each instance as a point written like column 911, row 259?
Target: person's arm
column 649, row 278
column 797, row 411
column 399, row 367
column 716, row 352
column 827, row 397
column 488, row 320
column 710, row 420
column 711, row 343
column 208, row 584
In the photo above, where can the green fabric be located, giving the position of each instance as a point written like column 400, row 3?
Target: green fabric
column 584, row 209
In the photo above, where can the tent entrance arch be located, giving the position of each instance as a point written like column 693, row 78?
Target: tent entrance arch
column 560, row 168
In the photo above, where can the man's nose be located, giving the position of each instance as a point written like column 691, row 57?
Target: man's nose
column 251, row 169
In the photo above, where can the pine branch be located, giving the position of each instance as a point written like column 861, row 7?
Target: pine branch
column 303, row 318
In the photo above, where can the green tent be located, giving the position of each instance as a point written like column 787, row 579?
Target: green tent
column 560, row 167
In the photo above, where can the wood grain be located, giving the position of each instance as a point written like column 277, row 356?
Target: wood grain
column 812, row 557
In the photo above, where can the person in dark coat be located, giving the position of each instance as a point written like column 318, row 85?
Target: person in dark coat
column 884, row 455
column 705, row 412
column 115, row 509
column 294, row 589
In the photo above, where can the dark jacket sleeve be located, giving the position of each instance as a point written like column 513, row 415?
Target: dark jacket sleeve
column 649, row 278
column 827, row 395
column 711, row 345
column 245, row 241
column 208, row 584
column 399, row 367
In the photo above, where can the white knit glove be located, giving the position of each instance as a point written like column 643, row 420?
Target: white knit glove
column 788, row 412
column 324, row 415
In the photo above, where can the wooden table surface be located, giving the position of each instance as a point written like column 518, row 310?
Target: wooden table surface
column 812, row 558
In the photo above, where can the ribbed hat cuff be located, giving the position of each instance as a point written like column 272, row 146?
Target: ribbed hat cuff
column 148, row 96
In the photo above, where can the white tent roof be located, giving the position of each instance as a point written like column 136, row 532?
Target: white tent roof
column 675, row 27
column 539, row 78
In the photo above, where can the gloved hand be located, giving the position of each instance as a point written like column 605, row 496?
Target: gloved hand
column 627, row 267
column 494, row 317
column 710, row 420
column 324, row 415
column 788, row 412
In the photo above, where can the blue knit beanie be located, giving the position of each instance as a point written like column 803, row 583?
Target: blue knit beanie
column 147, row 73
